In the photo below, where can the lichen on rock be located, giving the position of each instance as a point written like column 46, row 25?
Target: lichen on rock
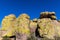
column 46, row 26
column 8, row 24
column 50, row 15
column 46, row 29
column 23, row 22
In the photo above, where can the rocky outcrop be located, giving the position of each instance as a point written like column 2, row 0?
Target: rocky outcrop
column 46, row 26
column 8, row 24
column 33, row 26
column 50, row 15
column 23, row 22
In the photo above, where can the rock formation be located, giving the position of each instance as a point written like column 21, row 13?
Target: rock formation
column 23, row 22
column 48, row 25
column 8, row 24
column 48, row 15
column 22, row 28
column 33, row 26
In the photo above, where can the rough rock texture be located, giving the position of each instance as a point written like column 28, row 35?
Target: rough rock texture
column 23, row 22
column 8, row 24
column 45, row 28
column 50, row 15
column 48, row 27
column 33, row 26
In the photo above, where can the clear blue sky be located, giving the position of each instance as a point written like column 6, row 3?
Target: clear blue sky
column 31, row 7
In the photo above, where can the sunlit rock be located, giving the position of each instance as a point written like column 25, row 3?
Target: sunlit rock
column 8, row 24
column 23, row 22
column 50, row 15
column 49, row 28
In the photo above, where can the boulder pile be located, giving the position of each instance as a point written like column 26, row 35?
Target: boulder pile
column 46, row 26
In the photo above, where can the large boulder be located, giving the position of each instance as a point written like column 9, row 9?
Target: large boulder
column 8, row 24
column 49, row 28
column 23, row 30
column 50, row 15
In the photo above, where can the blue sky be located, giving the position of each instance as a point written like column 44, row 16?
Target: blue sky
column 31, row 7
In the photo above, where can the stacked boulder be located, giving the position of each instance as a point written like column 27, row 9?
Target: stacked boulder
column 48, row 15
column 23, row 28
column 48, row 26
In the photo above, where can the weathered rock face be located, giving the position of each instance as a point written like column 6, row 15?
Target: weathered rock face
column 33, row 25
column 25, row 29
column 50, row 15
column 46, row 29
column 47, row 26
column 8, row 24
column 23, row 22
column 2, row 32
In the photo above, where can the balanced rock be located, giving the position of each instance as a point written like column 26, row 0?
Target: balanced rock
column 50, row 15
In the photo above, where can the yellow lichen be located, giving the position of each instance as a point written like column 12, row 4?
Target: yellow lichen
column 8, row 23
column 46, row 28
column 23, row 24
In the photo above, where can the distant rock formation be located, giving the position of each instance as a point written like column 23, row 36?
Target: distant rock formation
column 22, row 28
